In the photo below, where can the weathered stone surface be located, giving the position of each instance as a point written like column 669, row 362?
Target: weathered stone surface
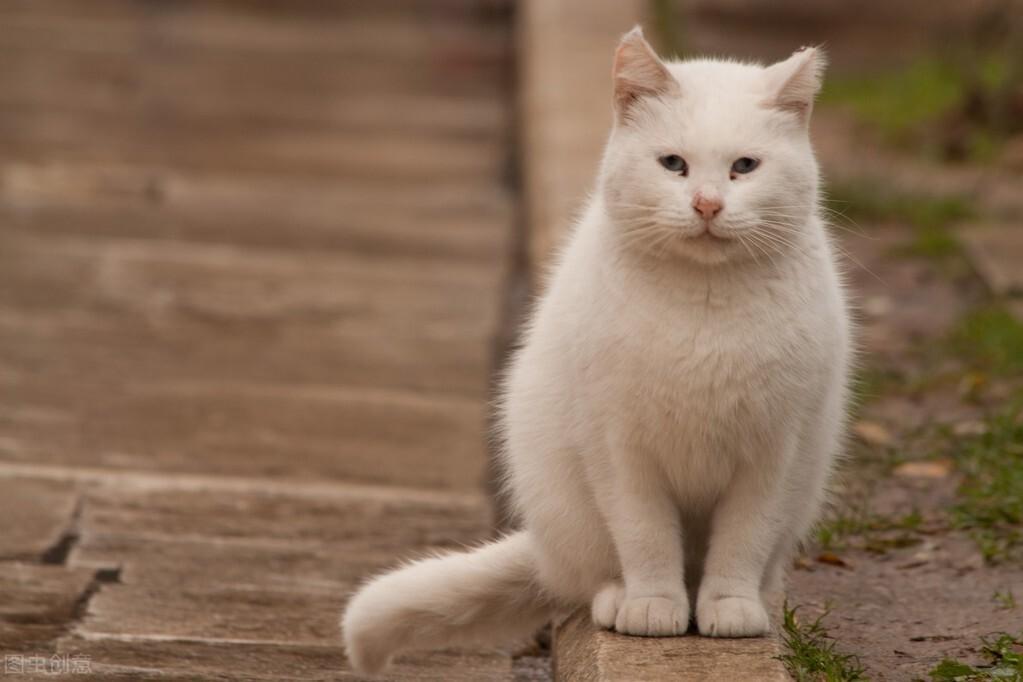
column 996, row 251
column 159, row 283
column 199, row 610
column 249, row 566
column 35, row 515
column 208, row 578
column 91, row 138
column 391, row 361
column 374, row 519
column 38, row 603
column 265, row 430
column 281, row 542
column 302, row 260
column 453, row 219
column 35, row 593
column 322, row 39
column 161, row 563
column 266, row 661
column 29, row 638
column 583, row 653
column 244, row 248
column 131, row 402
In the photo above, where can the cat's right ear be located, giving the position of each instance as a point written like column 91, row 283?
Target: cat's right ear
column 638, row 72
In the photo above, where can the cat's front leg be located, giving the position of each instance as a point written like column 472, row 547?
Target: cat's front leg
column 644, row 524
column 746, row 527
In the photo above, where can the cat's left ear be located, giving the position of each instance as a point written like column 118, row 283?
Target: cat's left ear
column 794, row 83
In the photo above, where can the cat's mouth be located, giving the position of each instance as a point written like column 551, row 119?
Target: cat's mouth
column 710, row 237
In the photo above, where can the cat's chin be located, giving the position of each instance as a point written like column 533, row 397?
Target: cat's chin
column 709, row 249
column 701, row 250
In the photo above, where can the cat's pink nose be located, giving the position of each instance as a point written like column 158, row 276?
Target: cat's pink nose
column 707, row 206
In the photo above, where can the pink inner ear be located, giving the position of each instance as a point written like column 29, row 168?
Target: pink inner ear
column 796, row 80
column 638, row 72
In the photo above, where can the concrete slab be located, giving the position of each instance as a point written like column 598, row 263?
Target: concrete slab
column 583, row 653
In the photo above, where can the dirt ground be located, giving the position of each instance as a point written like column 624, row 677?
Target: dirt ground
column 902, row 588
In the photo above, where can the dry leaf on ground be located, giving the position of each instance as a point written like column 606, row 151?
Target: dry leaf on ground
column 833, row 559
column 873, row 433
column 932, row 468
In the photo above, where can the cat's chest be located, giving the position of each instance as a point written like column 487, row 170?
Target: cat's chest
column 707, row 346
column 711, row 366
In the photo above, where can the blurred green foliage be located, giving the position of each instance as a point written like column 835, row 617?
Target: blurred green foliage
column 990, row 339
column 948, row 107
column 931, row 216
column 899, row 101
column 667, row 20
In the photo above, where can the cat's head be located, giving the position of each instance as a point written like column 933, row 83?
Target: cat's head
column 710, row 160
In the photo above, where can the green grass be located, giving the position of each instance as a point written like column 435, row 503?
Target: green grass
column 990, row 498
column 880, row 533
column 990, row 339
column 930, row 216
column 812, row 655
column 989, row 343
column 832, row 533
column 1005, row 663
column 1005, row 600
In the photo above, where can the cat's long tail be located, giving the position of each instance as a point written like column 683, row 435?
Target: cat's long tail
column 485, row 596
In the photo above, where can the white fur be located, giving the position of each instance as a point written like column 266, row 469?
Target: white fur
column 673, row 416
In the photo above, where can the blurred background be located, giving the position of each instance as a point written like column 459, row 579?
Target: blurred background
column 260, row 260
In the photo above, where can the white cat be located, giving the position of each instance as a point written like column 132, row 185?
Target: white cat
column 673, row 416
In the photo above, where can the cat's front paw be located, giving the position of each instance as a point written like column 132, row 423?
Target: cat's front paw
column 653, row 616
column 731, row 617
column 604, row 609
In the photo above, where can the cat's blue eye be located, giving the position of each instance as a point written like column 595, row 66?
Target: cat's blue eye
column 745, row 165
column 675, row 163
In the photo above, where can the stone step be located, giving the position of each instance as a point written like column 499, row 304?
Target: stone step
column 204, row 571
column 143, row 658
column 305, row 215
column 584, row 653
